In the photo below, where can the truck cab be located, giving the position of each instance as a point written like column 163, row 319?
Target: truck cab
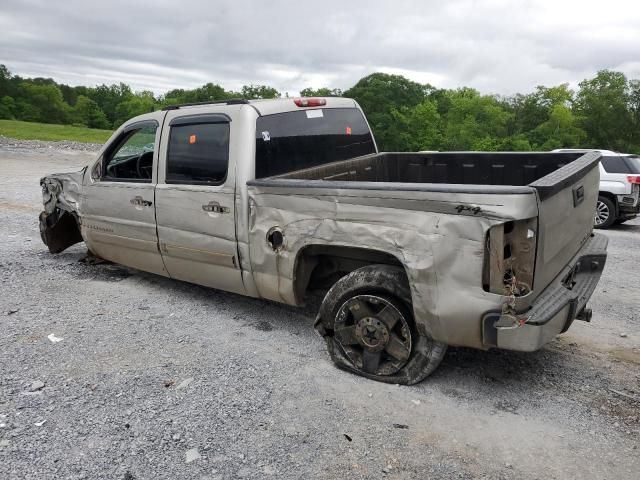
column 168, row 191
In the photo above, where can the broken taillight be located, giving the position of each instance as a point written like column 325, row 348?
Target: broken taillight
column 510, row 258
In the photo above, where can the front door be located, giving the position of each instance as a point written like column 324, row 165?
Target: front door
column 117, row 210
column 195, row 197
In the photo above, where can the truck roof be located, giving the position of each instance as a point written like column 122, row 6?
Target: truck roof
column 272, row 105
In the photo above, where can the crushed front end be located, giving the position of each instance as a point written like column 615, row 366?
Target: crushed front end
column 60, row 221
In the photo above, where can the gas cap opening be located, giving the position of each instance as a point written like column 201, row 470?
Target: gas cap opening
column 275, row 238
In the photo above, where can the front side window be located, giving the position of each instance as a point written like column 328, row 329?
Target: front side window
column 198, row 154
column 291, row 141
column 132, row 157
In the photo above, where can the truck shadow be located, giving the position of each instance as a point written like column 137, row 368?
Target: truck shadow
column 624, row 227
column 463, row 370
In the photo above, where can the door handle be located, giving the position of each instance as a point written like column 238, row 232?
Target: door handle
column 215, row 207
column 138, row 201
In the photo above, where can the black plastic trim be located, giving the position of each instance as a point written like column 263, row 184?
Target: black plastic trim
column 200, row 119
column 392, row 186
column 140, row 124
column 231, row 101
column 125, row 180
column 196, row 182
column 558, row 180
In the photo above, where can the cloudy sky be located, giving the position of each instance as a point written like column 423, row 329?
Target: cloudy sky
column 496, row 46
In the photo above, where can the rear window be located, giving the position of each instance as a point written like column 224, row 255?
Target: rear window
column 307, row 138
column 634, row 163
column 198, row 154
column 615, row 165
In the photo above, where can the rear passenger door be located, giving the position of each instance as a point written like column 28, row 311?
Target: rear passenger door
column 195, row 195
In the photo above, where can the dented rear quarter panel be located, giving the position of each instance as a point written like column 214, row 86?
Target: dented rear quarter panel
column 438, row 236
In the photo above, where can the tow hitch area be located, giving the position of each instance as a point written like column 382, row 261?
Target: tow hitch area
column 585, row 315
column 554, row 310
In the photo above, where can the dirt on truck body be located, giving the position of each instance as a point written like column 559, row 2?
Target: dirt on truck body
column 276, row 198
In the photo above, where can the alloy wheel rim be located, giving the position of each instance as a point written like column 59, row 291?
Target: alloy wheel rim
column 374, row 334
column 602, row 213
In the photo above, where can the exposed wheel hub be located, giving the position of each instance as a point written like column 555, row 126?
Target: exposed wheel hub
column 372, row 333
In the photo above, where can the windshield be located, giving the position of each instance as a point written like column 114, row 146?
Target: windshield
column 291, row 141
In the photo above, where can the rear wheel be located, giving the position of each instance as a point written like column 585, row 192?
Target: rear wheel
column 367, row 323
column 605, row 213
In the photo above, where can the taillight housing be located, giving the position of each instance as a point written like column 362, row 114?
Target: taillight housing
column 634, row 179
column 310, row 102
column 510, row 258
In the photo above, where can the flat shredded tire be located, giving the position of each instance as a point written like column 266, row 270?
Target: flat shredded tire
column 367, row 322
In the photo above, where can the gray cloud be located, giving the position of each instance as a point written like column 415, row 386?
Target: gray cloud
column 497, row 46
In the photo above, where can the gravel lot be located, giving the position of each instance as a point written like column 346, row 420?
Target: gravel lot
column 155, row 378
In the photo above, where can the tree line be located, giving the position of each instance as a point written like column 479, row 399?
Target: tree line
column 604, row 112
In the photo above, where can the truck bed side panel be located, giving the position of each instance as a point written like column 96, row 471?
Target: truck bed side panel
column 440, row 245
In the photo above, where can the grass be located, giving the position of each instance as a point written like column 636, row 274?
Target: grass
column 50, row 132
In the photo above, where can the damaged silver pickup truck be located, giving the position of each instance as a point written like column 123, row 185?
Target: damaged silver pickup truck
column 278, row 198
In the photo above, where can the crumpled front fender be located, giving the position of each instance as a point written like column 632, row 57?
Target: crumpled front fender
column 59, row 222
column 62, row 190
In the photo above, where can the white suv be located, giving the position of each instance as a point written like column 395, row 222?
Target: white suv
column 619, row 196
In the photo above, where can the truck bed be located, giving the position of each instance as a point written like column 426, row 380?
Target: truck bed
column 434, row 212
column 468, row 168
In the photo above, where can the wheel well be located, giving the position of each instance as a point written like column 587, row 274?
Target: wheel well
column 318, row 267
column 611, row 197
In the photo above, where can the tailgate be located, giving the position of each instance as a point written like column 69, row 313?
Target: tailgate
column 566, row 202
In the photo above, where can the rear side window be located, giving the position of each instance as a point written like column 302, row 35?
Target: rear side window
column 198, row 154
column 307, row 138
column 615, row 165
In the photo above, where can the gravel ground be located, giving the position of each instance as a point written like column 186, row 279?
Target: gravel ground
column 154, row 378
column 11, row 144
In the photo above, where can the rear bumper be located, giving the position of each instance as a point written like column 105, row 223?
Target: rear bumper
column 626, row 211
column 629, row 204
column 553, row 311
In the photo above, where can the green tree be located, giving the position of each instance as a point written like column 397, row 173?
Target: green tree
column 41, row 103
column 474, row 121
column 634, row 109
column 561, row 130
column 259, row 91
column 603, row 105
column 6, row 84
column 109, row 97
column 320, row 92
column 138, row 104
column 207, row 93
column 87, row 112
column 419, row 127
column 379, row 94
column 7, row 107
column 515, row 143
column 531, row 110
